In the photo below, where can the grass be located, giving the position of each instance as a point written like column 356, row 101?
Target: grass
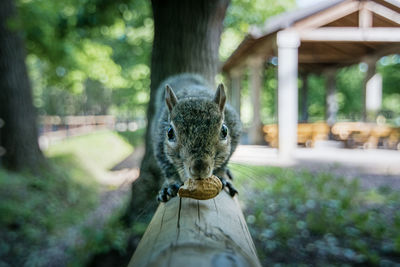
column 133, row 138
column 97, row 152
column 296, row 217
column 36, row 209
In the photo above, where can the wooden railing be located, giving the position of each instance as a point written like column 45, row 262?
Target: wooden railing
column 187, row 232
column 49, row 122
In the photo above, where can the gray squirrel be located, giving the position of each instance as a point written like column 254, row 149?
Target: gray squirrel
column 195, row 133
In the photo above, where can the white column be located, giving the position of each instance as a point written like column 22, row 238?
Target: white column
column 256, row 74
column 288, row 43
column 234, row 94
column 373, row 99
column 371, row 63
column 331, row 101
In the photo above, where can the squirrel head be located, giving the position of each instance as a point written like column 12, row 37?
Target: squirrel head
column 197, row 141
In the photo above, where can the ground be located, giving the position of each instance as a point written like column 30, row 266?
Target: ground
column 326, row 206
column 281, row 202
column 373, row 170
column 115, row 181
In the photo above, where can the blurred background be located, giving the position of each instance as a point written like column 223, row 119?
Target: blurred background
column 336, row 200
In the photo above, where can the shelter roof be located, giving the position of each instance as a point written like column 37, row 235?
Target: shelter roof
column 333, row 33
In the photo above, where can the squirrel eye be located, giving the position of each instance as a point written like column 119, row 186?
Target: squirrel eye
column 224, row 131
column 171, row 134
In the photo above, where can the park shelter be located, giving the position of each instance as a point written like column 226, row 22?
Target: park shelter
column 316, row 39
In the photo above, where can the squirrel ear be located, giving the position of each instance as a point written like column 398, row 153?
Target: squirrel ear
column 220, row 97
column 170, row 97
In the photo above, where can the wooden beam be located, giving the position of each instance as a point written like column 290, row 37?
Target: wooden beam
column 364, row 17
column 311, row 52
column 255, row 46
column 187, row 232
column 383, row 11
column 264, row 48
column 347, row 49
column 324, row 59
column 392, row 4
column 328, row 16
column 351, row 34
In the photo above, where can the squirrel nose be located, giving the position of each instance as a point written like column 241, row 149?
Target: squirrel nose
column 200, row 168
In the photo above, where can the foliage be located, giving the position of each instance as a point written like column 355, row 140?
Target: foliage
column 389, row 68
column 113, row 238
column 76, row 41
column 93, row 57
column 269, row 95
column 349, row 84
column 241, row 15
column 297, row 217
column 316, row 97
column 37, row 207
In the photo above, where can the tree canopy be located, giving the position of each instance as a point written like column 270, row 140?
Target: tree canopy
column 93, row 57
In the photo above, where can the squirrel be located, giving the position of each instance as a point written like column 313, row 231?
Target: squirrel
column 195, row 133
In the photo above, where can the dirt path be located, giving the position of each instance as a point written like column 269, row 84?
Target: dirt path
column 56, row 252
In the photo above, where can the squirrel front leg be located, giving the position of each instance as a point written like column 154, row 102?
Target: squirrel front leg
column 171, row 185
column 168, row 190
column 225, row 182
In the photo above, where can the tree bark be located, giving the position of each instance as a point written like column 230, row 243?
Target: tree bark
column 186, row 39
column 19, row 135
column 200, row 232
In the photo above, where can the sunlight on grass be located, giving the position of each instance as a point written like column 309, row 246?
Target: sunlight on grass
column 96, row 152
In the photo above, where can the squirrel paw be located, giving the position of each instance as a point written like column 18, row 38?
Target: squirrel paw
column 169, row 191
column 231, row 189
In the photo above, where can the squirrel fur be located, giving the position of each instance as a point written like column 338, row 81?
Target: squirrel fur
column 195, row 132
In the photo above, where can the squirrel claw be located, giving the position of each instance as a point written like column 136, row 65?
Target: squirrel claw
column 169, row 191
column 231, row 189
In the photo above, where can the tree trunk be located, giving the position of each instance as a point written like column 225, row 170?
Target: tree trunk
column 19, row 135
column 186, row 39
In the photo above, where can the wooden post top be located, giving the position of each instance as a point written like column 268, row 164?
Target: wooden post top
column 187, row 232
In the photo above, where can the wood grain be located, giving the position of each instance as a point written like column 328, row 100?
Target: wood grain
column 198, row 233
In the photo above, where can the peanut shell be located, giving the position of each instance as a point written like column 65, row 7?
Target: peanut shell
column 201, row 189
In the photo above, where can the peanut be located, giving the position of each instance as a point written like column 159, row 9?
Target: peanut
column 201, row 189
